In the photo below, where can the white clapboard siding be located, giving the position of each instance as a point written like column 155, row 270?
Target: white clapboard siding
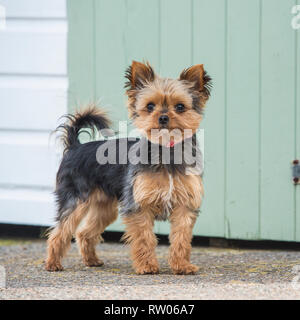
column 33, row 95
column 33, row 207
column 33, row 47
column 40, row 113
column 35, row 8
column 27, row 158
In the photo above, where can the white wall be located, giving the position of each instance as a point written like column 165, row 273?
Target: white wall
column 33, row 95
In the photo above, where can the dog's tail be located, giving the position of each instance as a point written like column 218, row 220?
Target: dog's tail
column 90, row 118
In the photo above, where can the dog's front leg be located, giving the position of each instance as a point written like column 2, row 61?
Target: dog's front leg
column 139, row 234
column 182, row 222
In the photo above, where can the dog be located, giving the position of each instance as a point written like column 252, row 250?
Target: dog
column 92, row 191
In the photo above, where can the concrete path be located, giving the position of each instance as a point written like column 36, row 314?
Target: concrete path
column 224, row 274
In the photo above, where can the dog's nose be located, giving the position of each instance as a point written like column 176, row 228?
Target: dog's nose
column 163, row 119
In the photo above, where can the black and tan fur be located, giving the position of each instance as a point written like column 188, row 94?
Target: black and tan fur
column 88, row 193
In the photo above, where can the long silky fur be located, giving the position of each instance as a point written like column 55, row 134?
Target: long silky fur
column 90, row 118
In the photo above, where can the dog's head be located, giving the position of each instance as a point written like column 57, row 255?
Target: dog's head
column 159, row 106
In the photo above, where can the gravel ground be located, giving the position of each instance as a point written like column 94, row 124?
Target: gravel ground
column 224, row 274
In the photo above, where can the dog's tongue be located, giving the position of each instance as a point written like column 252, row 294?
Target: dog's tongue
column 170, row 144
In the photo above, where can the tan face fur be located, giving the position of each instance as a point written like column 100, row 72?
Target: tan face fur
column 175, row 104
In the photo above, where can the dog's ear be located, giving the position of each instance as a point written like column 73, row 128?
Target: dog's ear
column 138, row 74
column 198, row 76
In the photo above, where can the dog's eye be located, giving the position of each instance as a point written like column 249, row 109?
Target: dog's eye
column 150, row 106
column 179, row 107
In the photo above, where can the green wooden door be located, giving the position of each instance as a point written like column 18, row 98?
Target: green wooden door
column 252, row 124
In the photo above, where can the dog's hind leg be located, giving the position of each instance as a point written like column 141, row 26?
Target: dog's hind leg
column 102, row 212
column 59, row 238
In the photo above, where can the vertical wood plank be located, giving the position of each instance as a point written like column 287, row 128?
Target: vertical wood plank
column 143, row 32
column 208, row 48
column 176, row 37
column 242, row 148
column 110, row 26
column 277, row 121
column 81, row 59
column 297, row 131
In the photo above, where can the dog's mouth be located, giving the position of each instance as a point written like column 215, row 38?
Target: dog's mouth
column 163, row 126
column 166, row 137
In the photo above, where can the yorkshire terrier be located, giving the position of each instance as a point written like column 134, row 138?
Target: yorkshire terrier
column 90, row 190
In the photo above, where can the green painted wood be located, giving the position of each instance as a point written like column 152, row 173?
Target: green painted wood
column 242, row 120
column 142, row 36
column 208, row 47
column 297, row 124
column 252, row 123
column 81, row 59
column 277, row 121
column 175, row 37
column 110, row 28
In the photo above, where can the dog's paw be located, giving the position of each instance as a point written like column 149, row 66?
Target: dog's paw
column 147, row 269
column 94, row 263
column 54, row 266
column 185, row 269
